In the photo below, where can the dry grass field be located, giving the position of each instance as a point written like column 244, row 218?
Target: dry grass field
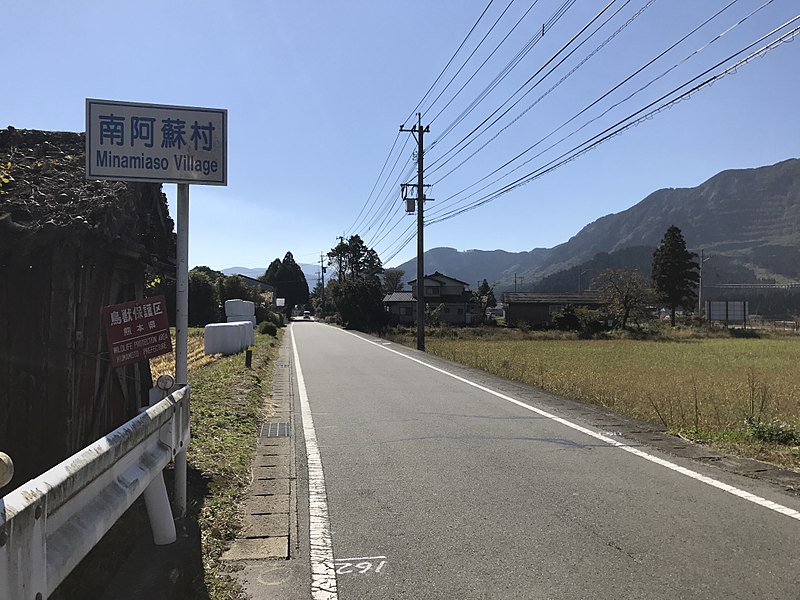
column 165, row 364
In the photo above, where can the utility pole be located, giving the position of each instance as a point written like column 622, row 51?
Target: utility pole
column 340, row 256
column 322, row 280
column 700, row 286
column 419, row 133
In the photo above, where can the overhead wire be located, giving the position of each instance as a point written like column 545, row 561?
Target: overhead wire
column 379, row 206
column 448, row 201
column 634, row 119
column 466, row 60
column 524, row 85
column 449, row 62
column 508, row 68
column 391, row 207
column 375, row 185
column 370, row 204
column 552, row 88
column 491, row 54
column 388, row 157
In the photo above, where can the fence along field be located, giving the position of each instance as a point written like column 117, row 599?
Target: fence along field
column 702, row 388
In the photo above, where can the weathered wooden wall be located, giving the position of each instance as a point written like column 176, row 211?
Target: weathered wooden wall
column 58, row 391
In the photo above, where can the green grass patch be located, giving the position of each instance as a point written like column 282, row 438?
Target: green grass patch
column 737, row 392
column 228, row 404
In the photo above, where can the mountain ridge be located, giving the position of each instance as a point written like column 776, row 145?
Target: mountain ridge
column 750, row 216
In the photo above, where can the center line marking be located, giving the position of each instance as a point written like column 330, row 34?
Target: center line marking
column 774, row 506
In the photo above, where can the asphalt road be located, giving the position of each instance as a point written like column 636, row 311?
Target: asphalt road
column 440, row 489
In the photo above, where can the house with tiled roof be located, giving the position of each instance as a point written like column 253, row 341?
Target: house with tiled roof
column 439, row 289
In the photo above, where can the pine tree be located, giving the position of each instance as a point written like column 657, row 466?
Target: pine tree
column 675, row 272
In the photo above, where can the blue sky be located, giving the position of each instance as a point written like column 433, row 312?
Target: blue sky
column 316, row 92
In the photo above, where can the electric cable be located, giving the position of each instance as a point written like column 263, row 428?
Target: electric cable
column 603, row 96
column 634, row 119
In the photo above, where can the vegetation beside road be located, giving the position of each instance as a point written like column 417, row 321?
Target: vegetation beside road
column 228, row 403
column 741, row 395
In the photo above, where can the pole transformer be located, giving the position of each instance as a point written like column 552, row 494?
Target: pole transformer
column 418, row 131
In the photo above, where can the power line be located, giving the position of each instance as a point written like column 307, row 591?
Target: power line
column 596, row 101
column 449, row 62
column 372, row 191
column 520, row 88
column 567, row 56
column 378, row 207
column 466, row 60
column 637, row 117
column 510, row 66
column 448, row 201
column 492, row 53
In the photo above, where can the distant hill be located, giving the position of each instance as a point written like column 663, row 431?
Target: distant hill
column 748, row 218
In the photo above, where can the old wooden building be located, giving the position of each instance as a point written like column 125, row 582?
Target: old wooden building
column 539, row 310
column 68, row 247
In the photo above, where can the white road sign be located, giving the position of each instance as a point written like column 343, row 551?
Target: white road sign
column 130, row 141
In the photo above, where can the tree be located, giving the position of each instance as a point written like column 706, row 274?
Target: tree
column 626, row 292
column 289, row 281
column 358, row 293
column 202, row 300
column 352, row 258
column 212, row 274
column 316, row 298
column 393, row 280
column 675, row 272
column 484, row 298
column 359, row 302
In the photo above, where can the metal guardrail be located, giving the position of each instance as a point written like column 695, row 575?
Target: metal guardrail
column 50, row 523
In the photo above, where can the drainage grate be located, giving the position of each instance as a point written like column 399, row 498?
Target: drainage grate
column 275, row 430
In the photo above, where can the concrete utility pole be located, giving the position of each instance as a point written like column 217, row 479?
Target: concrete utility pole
column 322, row 278
column 420, row 131
column 700, row 285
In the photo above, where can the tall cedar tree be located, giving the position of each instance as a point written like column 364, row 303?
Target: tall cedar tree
column 675, row 272
column 289, row 281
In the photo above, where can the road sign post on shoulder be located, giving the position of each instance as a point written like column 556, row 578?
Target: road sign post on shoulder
column 131, row 141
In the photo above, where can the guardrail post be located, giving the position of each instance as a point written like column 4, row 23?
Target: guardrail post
column 159, row 512
column 23, row 556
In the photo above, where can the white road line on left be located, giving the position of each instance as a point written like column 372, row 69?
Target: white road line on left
column 323, row 570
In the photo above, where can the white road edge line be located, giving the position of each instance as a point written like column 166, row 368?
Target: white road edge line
column 779, row 508
column 323, row 570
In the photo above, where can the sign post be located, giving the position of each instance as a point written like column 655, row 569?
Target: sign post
column 131, row 141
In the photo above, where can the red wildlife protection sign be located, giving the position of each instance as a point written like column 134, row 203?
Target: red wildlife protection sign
column 137, row 330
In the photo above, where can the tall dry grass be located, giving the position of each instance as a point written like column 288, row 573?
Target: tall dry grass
column 707, row 385
column 165, row 364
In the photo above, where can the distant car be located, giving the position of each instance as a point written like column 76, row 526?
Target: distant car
column 306, row 315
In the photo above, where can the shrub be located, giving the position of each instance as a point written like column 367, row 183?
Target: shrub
column 775, row 431
column 269, row 328
column 275, row 318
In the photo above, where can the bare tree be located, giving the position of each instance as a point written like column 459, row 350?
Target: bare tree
column 626, row 292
